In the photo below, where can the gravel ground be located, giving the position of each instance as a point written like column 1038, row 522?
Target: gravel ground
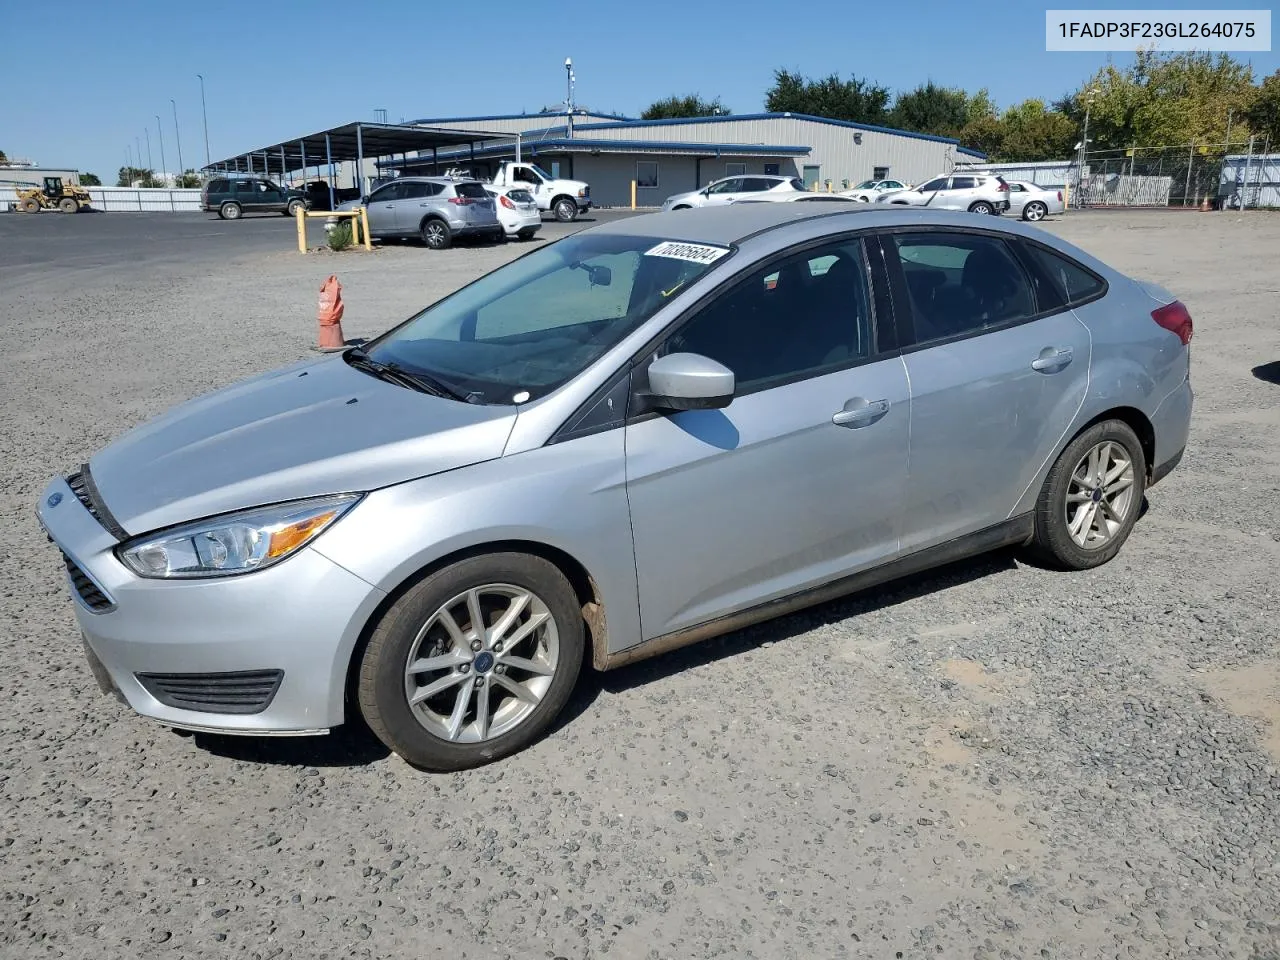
column 990, row 761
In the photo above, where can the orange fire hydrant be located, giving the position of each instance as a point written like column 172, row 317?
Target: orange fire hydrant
column 330, row 315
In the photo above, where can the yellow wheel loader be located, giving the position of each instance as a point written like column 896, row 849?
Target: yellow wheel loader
column 69, row 198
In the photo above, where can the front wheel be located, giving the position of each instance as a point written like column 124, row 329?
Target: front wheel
column 982, row 207
column 473, row 663
column 436, row 234
column 294, row 207
column 1091, row 498
column 68, row 205
column 1033, row 211
column 230, row 211
column 565, row 209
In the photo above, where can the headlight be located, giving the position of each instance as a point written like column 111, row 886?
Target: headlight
column 234, row 542
column 583, row 191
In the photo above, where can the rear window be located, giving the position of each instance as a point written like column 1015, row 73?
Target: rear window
column 1070, row 280
column 473, row 190
column 798, row 183
column 218, row 186
column 520, row 196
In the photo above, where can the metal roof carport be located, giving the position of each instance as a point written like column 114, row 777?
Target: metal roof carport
column 351, row 142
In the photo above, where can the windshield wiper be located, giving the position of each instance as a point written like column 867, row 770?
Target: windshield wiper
column 394, row 373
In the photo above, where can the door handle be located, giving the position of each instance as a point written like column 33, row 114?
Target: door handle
column 1052, row 358
column 859, row 412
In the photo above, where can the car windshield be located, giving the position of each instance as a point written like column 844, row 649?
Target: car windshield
column 866, row 185
column 540, row 172
column 520, row 332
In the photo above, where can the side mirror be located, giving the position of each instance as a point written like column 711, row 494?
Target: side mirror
column 600, row 276
column 689, row 381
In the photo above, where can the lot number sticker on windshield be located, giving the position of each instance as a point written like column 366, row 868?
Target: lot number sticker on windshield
column 693, row 252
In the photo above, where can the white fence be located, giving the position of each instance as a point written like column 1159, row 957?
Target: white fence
column 127, row 199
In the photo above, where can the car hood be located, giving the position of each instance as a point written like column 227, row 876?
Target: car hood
column 318, row 427
column 691, row 196
column 350, row 205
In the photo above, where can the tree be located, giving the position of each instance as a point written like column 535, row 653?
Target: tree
column 189, row 180
column 3, row 158
column 1033, row 132
column 929, row 108
column 137, row 177
column 90, row 180
column 855, row 100
column 1263, row 115
column 691, row 105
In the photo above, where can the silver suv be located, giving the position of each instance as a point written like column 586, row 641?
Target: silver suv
column 437, row 209
column 975, row 192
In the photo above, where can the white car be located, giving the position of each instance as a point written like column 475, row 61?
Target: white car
column 792, row 196
column 733, row 189
column 1032, row 202
column 868, row 190
column 517, row 211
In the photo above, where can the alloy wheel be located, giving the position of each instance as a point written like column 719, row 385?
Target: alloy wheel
column 482, row 663
column 1099, row 495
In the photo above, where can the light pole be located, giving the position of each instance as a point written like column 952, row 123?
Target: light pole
column 1084, row 144
column 182, row 171
column 568, row 70
column 150, row 165
column 160, row 130
column 205, row 115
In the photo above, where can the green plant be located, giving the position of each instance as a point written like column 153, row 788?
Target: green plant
column 89, row 180
column 340, row 236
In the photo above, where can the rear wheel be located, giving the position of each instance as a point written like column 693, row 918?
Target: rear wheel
column 230, row 211
column 436, row 234
column 473, row 663
column 68, row 205
column 1035, row 210
column 526, row 234
column 1091, row 497
column 565, row 209
column 982, row 207
column 30, row 206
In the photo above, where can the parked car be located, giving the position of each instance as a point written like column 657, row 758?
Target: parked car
column 868, row 190
column 437, row 209
column 517, row 211
column 1032, row 202
column 732, row 189
column 563, row 199
column 317, row 193
column 233, row 197
column 651, row 432
column 975, row 192
column 795, row 196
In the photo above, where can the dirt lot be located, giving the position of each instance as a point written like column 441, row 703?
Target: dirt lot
column 992, row 761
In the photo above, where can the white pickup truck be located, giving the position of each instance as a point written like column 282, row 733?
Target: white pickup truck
column 563, row 198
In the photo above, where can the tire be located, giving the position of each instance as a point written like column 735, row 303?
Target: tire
column 565, row 209
column 230, row 211
column 421, row 733
column 30, row 206
column 1106, row 529
column 68, row 205
column 294, row 206
column 526, row 234
column 982, row 207
column 682, row 206
column 436, row 234
column 1035, row 210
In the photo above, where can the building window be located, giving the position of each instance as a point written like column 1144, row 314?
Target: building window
column 734, row 169
column 555, row 169
column 880, row 173
column 771, row 170
column 646, row 173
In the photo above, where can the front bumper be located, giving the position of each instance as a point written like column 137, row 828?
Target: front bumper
column 301, row 618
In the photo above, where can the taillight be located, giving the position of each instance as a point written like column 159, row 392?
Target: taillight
column 1174, row 318
column 1003, row 188
column 462, row 201
column 1059, row 196
column 506, row 202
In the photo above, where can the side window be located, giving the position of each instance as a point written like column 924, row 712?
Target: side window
column 758, row 184
column 219, row 186
column 414, row 190
column 939, row 183
column 727, row 186
column 960, row 284
column 803, row 317
column 1071, row 281
column 963, row 183
column 245, row 186
column 384, row 194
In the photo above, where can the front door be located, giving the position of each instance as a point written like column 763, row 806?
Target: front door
column 725, row 191
column 411, row 204
column 796, row 483
column 811, row 175
column 995, row 384
column 381, row 207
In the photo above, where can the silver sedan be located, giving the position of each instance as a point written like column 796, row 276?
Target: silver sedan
column 1032, row 202
column 649, row 433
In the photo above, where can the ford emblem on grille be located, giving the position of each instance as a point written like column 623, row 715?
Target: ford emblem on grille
column 54, row 499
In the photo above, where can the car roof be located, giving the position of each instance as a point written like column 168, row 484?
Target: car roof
column 735, row 223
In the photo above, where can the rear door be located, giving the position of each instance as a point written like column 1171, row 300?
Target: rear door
column 998, row 369
column 958, row 195
column 800, row 480
column 411, row 204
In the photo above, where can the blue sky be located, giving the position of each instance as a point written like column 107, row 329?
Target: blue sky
column 285, row 68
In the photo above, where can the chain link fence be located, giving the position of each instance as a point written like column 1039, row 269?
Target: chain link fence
column 1188, row 175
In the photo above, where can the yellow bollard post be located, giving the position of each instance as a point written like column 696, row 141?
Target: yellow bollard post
column 301, row 218
column 364, row 221
column 633, row 194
